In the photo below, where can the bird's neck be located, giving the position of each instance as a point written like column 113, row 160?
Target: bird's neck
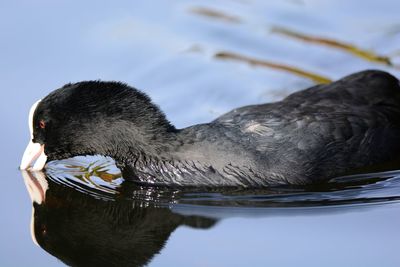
column 166, row 158
column 142, row 149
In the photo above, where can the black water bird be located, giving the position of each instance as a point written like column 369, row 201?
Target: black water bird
column 307, row 138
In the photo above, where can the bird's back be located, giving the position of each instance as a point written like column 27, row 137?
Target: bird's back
column 326, row 130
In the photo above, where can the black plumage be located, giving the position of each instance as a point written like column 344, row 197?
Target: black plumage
column 308, row 137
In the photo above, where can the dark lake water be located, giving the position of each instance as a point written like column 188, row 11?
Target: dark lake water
column 197, row 60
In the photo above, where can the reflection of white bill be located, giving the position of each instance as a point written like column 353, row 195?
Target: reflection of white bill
column 37, row 185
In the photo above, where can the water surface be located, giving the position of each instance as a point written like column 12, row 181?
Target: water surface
column 197, row 60
column 85, row 214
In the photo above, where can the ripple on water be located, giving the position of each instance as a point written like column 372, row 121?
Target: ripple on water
column 100, row 178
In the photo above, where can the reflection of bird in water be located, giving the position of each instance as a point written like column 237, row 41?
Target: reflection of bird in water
column 82, row 230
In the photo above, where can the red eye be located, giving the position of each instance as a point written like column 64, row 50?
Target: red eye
column 42, row 124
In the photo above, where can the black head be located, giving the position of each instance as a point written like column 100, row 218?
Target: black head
column 95, row 117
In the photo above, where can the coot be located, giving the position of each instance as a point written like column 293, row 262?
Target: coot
column 308, row 137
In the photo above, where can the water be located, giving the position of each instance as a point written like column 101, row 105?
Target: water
column 193, row 59
column 89, row 216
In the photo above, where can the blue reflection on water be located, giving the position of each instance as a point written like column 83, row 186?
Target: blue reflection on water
column 167, row 50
